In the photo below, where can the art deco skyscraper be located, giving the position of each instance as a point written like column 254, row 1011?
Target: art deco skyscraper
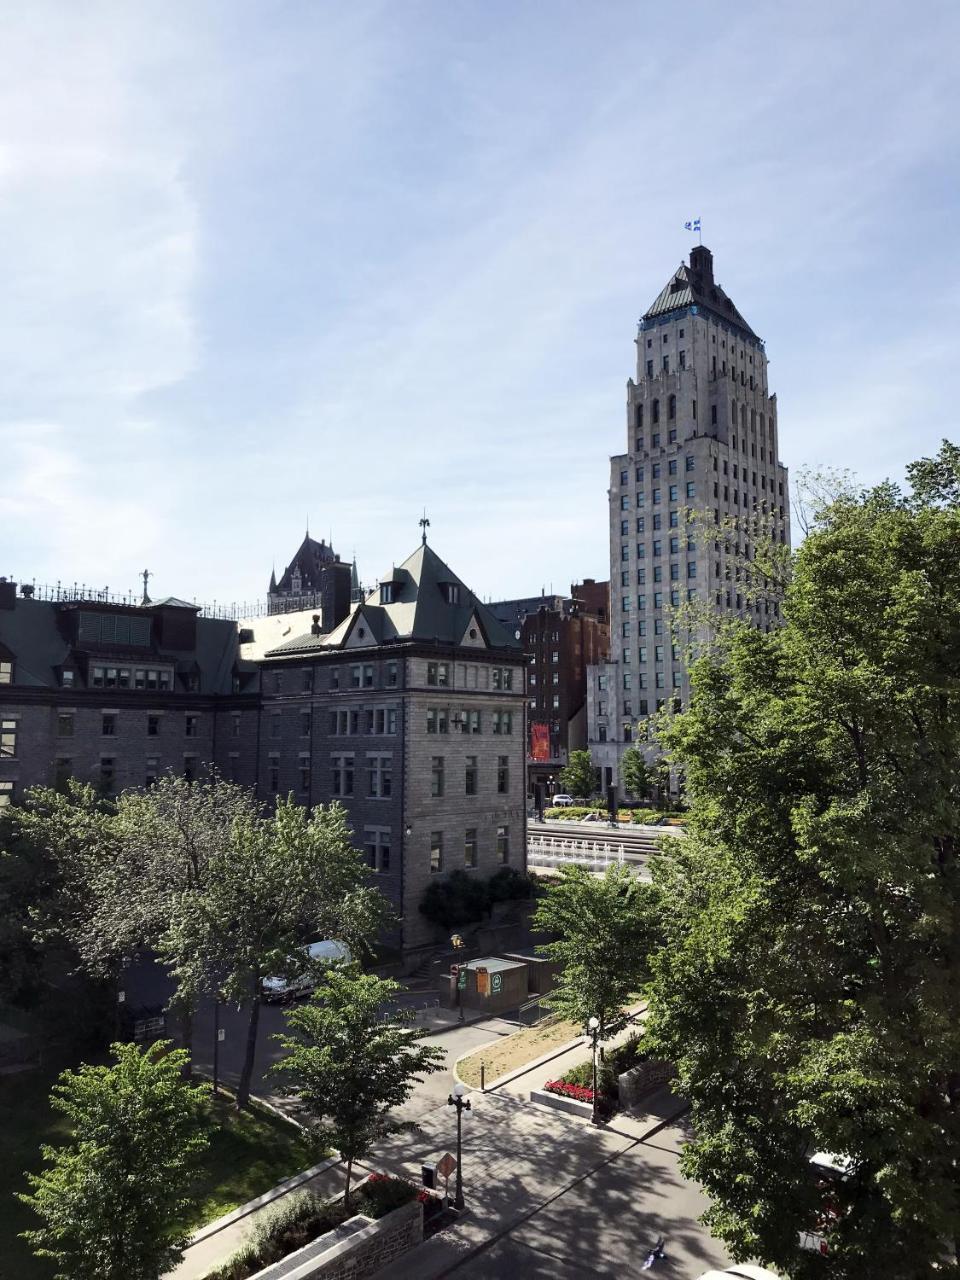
column 701, row 459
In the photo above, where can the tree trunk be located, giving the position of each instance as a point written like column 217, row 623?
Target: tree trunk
column 184, row 1012
column 346, row 1189
column 246, row 1075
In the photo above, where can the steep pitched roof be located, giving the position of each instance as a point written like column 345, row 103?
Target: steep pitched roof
column 691, row 287
column 309, row 559
column 420, row 610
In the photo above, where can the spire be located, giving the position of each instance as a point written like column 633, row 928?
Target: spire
column 273, row 580
column 424, row 525
column 146, row 579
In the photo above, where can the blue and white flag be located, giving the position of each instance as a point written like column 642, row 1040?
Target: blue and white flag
column 692, row 226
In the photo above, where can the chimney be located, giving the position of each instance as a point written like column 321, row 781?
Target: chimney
column 315, row 629
column 701, row 263
column 8, row 594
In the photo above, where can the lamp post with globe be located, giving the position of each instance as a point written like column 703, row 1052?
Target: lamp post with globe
column 462, row 1104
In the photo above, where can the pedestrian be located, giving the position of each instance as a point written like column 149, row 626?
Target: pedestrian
column 656, row 1254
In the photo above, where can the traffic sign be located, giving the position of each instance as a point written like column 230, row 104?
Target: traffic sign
column 446, row 1165
column 496, row 981
column 462, row 980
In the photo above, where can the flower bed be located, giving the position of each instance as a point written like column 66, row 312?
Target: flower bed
column 576, row 1091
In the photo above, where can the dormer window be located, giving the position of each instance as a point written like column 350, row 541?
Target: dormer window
column 451, row 592
column 387, row 592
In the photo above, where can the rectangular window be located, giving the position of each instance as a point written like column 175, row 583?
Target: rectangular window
column 691, row 489
column 380, row 776
column 470, row 776
column 436, row 776
column 438, row 673
column 356, row 677
column 503, row 722
column 305, row 718
column 190, row 726
column 8, row 739
column 438, row 720
column 304, row 768
column 6, row 671
column 390, row 675
column 368, row 676
column 335, row 678
column 108, row 774
column 470, row 847
column 273, row 773
column 471, row 722
column 65, row 724
column 503, row 843
column 63, row 771
column 108, row 725
column 376, row 845
column 503, row 774
column 436, row 851
column 343, row 775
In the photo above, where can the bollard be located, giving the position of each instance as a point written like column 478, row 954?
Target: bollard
column 483, row 1077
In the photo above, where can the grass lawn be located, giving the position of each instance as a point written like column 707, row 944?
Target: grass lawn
column 516, row 1050
column 248, row 1154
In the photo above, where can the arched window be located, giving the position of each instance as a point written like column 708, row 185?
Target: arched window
column 672, row 407
column 639, row 417
column 655, row 411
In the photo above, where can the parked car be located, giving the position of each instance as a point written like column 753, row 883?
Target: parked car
column 317, row 955
column 563, row 801
column 740, row 1271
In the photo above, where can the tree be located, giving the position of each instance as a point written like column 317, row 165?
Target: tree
column 809, row 988
column 276, row 883
column 348, row 1066
column 603, row 926
column 635, row 774
column 113, row 1198
column 579, row 777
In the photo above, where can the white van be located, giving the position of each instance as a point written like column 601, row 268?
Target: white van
column 279, row 990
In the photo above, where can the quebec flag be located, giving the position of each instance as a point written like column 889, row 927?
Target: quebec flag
column 692, row 226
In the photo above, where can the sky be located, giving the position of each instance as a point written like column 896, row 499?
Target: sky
column 266, row 263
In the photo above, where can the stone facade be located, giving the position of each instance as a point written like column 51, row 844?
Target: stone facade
column 699, row 482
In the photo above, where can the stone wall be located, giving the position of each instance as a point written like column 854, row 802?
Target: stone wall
column 366, row 1251
column 633, row 1084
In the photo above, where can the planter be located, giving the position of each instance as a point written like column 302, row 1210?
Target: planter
column 357, row 1248
column 558, row 1102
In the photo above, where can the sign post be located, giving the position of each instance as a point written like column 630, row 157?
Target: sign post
column 445, row 1166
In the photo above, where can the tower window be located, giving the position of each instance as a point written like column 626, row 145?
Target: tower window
column 655, row 411
column 672, row 407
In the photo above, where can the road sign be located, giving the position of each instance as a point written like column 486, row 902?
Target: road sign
column 454, row 969
column 496, row 982
column 446, row 1165
column 462, row 980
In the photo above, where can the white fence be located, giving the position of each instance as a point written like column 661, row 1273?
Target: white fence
column 549, row 852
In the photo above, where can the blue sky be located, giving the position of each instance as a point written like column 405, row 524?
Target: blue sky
column 268, row 260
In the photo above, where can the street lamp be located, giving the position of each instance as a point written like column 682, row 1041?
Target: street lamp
column 457, row 1100
column 593, row 1026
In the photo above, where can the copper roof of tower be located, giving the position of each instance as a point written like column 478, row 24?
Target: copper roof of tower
column 693, row 285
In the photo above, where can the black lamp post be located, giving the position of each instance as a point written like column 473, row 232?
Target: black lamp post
column 593, row 1026
column 457, row 1100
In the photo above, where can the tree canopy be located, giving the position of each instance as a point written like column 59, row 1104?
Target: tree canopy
column 348, row 1064
column 603, row 932
column 113, row 1197
column 580, row 777
column 809, row 988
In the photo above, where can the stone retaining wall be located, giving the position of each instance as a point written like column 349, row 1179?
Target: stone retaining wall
column 367, row 1250
column 559, row 1103
column 633, row 1084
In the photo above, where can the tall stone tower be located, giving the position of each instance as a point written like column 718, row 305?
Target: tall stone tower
column 701, row 459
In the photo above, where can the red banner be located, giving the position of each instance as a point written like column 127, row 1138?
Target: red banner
column 539, row 740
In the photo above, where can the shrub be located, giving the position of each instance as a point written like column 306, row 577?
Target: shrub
column 456, row 899
column 381, row 1194
column 508, row 884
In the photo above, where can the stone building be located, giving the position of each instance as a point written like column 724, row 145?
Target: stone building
column 561, row 636
column 411, row 714
column 699, row 481
column 115, row 694
column 316, row 578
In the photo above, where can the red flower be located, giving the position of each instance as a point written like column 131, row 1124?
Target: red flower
column 575, row 1091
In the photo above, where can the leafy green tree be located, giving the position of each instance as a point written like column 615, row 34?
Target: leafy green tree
column 456, row 899
column 114, row 1197
column 276, row 883
column 348, row 1066
column 603, row 927
column 580, row 776
column 635, row 774
column 809, row 988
